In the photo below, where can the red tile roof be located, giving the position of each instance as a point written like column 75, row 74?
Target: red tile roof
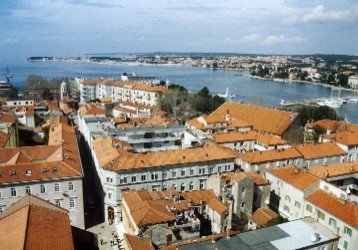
column 134, row 243
column 91, row 109
column 33, row 223
column 295, row 176
column 263, row 215
column 343, row 210
column 335, row 169
column 4, row 138
column 58, row 159
column 7, row 118
column 112, row 158
column 313, row 151
column 257, row 157
column 263, row 119
column 348, row 138
column 235, row 137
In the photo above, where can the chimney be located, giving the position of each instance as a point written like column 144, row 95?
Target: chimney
column 229, row 220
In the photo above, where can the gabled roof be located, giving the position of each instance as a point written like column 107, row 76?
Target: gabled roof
column 214, row 119
column 33, row 223
column 295, row 177
column 348, row 138
column 263, row 215
column 91, row 109
column 235, row 137
column 335, row 169
column 115, row 159
column 313, row 151
column 336, row 126
column 270, row 140
column 134, row 243
column 257, row 157
column 59, row 159
column 262, row 118
column 343, row 210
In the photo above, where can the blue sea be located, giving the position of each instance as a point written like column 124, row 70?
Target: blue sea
column 245, row 89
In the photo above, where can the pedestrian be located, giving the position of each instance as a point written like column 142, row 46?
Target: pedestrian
column 101, row 241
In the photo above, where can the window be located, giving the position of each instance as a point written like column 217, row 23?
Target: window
column 192, row 171
column 202, row 184
column 332, row 222
column 243, row 205
column 109, row 179
column 191, row 185
column 2, row 208
column 124, row 179
column 110, row 194
column 28, row 190
column 288, row 198
column 57, row 187
column 70, row 186
column 13, row 192
column 182, row 187
column 54, row 170
column 309, row 208
column 134, row 178
column 28, row 171
column 345, row 244
column 211, row 169
column 174, row 186
column 201, row 170
column 174, row 174
column 58, row 203
column 72, row 203
column 155, row 176
column 321, row 215
column 286, row 208
column 165, row 187
column 0, row 194
column 297, row 204
column 165, row 175
column 347, row 231
column 219, row 169
column 243, row 189
column 44, row 170
column 12, row 173
column 42, row 189
column 227, row 167
column 183, row 172
column 144, row 177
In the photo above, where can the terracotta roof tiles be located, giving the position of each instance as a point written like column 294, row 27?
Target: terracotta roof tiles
column 312, row 151
column 263, row 215
column 344, row 210
column 295, row 177
column 263, row 119
column 335, row 169
column 257, row 157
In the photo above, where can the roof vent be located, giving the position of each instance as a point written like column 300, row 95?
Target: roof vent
column 12, row 173
column 44, row 170
column 315, row 237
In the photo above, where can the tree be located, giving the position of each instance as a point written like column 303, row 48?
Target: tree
column 275, row 221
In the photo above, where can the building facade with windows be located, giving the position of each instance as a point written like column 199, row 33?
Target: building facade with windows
column 337, row 214
column 52, row 172
column 183, row 170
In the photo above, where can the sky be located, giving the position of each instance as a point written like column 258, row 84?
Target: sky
column 80, row 27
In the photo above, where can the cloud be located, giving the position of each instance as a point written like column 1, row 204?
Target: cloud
column 282, row 39
column 320, row 14
column 268, row 40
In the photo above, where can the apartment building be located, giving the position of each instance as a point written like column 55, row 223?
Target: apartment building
column 261, row 161
column 262, row 119
column 183, row 170
column 337, row 214
column 23, row 110
column 289, row 187
column 353, row 82
column 243, row 142
column 53, row 172
column 321, row 154
column 348, row 141
column 121, row 91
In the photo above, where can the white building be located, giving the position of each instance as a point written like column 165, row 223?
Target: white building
column 353, row 82
column 183, row 170
column 52, row 172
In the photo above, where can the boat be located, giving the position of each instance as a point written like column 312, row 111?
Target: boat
column 226, row 95
column 6, row 88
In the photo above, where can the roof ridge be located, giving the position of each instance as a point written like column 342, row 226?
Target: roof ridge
column 27, row 222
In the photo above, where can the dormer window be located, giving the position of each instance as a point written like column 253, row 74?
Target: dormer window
column 12, row 173
column 44, row 170
column 28, row 171
column 54, row 170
